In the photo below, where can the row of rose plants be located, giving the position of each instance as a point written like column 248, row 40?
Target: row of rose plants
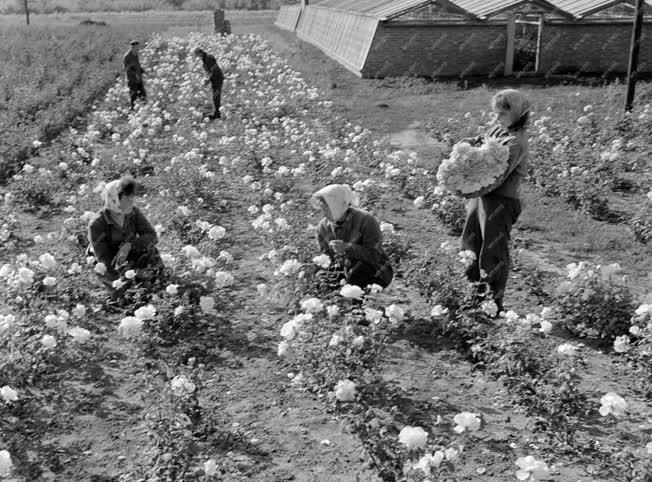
column 190, row 295
column 334, row 349
column 519, row 351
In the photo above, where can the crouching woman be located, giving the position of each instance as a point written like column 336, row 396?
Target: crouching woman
column 351, row 236
column 121, row 237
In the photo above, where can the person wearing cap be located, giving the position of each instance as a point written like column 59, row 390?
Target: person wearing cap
column 120, row 236
column 215, row 78
column 134, row 73
column 351, row 237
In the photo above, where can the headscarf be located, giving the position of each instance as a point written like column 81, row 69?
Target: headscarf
column 111, row 197
column 519, row 105
column 338, row 197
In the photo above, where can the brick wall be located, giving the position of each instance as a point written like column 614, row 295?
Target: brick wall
column 437, row 50
column 592, row 48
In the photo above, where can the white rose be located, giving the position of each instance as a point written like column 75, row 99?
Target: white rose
column 130, row 274
column 223, row 279
column 48, row 341
column 5, row 270
column 345, row 391
column 5, row 463
column 79, row 311
column 451, row 454
column 567, row 349
column 210, row 467
column 489, row 307
column 283, row 348
column 312, row 305
column 351, row 291
column 372, row 315
column 375, row 288
column 226, row 256
column 172, row 289
column 531, row 469
column 80, row 335
column 100, row 268
column 130, row 326
column 190, row 252
column 25, row 275
column 49, row 281
column 9, row 394
column 47, row 261
column 145, row 312
column 394, row 313
column 546, row 327
column 207, row 304
column 413, row 437
column 466, row 421
column 323, row 261
column 117, row 284
column 335, row 340
column 181, row 386
column 621, row 344
column 216, row 232
column 333, row 311
column 438, row 311
column 613, row 404
column 386, row 228
column 290, row 267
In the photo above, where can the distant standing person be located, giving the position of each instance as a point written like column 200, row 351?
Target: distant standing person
column 215, row 77
column 134, row 73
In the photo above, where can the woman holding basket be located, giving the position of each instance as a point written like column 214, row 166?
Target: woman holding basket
column 495, row 206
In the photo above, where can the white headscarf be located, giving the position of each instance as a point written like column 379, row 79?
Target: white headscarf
column 338, row 197
column 111, row 198
column 519, row 105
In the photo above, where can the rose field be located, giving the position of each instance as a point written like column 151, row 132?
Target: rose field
column 250, row 360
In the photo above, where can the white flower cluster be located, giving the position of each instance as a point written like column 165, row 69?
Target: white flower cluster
column 469, row 168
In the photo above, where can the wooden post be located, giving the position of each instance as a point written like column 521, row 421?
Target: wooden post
column 27, row 12
column 539, row 43
column 219, row 22
column 511, row 39
column 632, row 69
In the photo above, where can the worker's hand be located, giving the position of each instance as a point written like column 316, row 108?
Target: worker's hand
column 338, row 247
column 121, row 257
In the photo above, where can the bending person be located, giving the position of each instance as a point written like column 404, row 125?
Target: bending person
column 120, row 236
column 215, row 77
column 352, row 236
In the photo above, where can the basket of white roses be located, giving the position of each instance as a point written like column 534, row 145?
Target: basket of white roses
column 470, row 170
